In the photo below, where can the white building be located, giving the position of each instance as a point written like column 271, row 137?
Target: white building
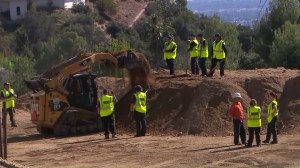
column 18, row 8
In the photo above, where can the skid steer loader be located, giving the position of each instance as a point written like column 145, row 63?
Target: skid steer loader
column 65, row 97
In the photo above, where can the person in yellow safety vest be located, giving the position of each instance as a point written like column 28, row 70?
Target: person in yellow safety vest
column 203, row 53
column 219, row 54
column 13, row 104
column 170, row 49
column 106, row 109
column 254, row 123
column 194, row 54
column 139, row 108
column 7, row 93
column 272, row 119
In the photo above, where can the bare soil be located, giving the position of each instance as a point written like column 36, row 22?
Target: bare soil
column 129, row 11
column 27, row 147
column 188, row 126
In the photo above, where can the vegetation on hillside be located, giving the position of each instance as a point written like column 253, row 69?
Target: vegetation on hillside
column 46, row 37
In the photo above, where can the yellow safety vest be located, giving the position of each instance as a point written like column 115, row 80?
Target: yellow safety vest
column 6, row 95
column 168, row 46
column 195, row 50
column 272, row 112
column 140, row 103
column 106, row 105
column 203, row 49
column 254, row 116
column 218, row 50
column 13, row 100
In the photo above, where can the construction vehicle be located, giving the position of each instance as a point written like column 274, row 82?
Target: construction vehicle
column 64, row 99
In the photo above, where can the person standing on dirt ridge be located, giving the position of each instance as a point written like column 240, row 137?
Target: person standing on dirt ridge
column 219, row 54
column 8, row 92
column 170, row 49
column 254, row 123
column 106, row 106
column 194, row 54
column 139, row 108
column 203, row 53
column 272, row 119
column 237, row 113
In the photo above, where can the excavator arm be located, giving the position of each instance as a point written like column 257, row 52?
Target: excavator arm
column 136, row 64
column 54, row 78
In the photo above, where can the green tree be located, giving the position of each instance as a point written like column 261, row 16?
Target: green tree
column 109, row 6
column 279, row 12
column 22, row 68
column 5, row 41
column 39, row 25
column 285, row 49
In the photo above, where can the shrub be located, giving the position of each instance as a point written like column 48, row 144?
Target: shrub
column 109, row 6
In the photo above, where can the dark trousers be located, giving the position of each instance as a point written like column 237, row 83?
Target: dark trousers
column 202, row 64
column 194, row 65
column 140, row 121
column 271, row 130
column 170, row 63
column 239, row 131
column 214, row 62
column 108, row 123
column 10, row 112
column 251, row 131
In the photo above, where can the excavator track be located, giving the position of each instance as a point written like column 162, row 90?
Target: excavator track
column 75, row 122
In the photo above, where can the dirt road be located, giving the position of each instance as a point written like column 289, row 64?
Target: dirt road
column 28, row 148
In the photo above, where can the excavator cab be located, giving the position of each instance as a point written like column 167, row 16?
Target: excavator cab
column 82, row 91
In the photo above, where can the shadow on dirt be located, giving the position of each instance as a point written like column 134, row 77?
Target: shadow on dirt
column 96, row 140
column 229, row 149
column 209, row 148
column 24, row 138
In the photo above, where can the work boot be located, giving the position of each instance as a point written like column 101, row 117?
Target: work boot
column 106, row 136
column 258, row 145
column 248, row 146
column 14, row 125
column 113, row 136
column 266, row 142
column 274, row 142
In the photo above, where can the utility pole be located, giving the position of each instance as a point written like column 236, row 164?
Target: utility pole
column 3, row 133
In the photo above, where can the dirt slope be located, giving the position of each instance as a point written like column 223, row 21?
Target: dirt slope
column 198, row 105
column 128, row 10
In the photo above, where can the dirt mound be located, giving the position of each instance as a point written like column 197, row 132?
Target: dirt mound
column 196, row 105
column 290, row 104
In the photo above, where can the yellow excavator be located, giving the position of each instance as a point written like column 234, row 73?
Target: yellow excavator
column 65, row 97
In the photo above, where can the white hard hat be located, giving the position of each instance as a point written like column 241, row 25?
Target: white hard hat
column 236, row 95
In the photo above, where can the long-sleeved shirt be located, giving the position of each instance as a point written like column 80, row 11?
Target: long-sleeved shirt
column 171, row 49
column 192, row 45
column 236, row 111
